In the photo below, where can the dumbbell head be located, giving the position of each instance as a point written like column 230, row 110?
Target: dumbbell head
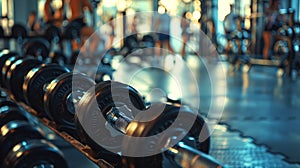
column 197, row 136
column 37, row 47
column 16, row 131
column 148, row 41
column 5, row 55
column 115, row 102
column 53, row 33
column 10, row 111
column 59, row 100
column 18, row 31
column 34, row 153
column 7, row 65
column 131, row 42
column 87, row 114
column 36, row 81
column 281, row 48
column 16, row 74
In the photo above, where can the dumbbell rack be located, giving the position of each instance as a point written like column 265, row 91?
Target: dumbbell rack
column 85, row 150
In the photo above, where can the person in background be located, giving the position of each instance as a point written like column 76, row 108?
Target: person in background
column 52, row 16
column 273, row 22
column 230, row 25
column 134, row 24
column 77, row 8
column 185, row 34
column 111, row 23
column 32, row 22
column 162, row 27
column 230, row 21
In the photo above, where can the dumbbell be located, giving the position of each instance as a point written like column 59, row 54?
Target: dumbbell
column 14, row 132
column 119, row 111
column 13, row 73
column 60, row 100
column 38, row 47
column 190, row 151
column 4, row 55
column 35, row 153
column 17, row 127
column 16, row 73
column 36, row 81
column 19, row 32
column 7, row 65
column 130, row 44
column 11, row 111
column 51, row 87
column 23, row 145
column 53, row 34
column 114, row 159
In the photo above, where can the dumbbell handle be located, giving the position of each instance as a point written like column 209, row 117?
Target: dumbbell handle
column 181, row 153
column 118, row 120
column 186, row 156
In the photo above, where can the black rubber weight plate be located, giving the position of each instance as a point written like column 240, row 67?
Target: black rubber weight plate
column 15, row 76
column 36, row 81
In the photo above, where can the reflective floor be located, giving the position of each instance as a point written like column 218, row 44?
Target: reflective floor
column 261, row 117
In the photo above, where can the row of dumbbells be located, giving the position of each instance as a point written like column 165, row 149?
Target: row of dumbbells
column 22, row 142
column 45, row 46
column 67, row 98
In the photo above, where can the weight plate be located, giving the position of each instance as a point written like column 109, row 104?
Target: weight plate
column 131, row 42
column 14, row 132
column 6, row 68
column 16, row 73
column 4, row 55
column 58, row 99
column 148, row 41
column 10, row 113
column 37, row 47
column 35, row 153
column 53, row 33
column 36, row 81
column 159, row 124
column 87, row 115
column 18, row 31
